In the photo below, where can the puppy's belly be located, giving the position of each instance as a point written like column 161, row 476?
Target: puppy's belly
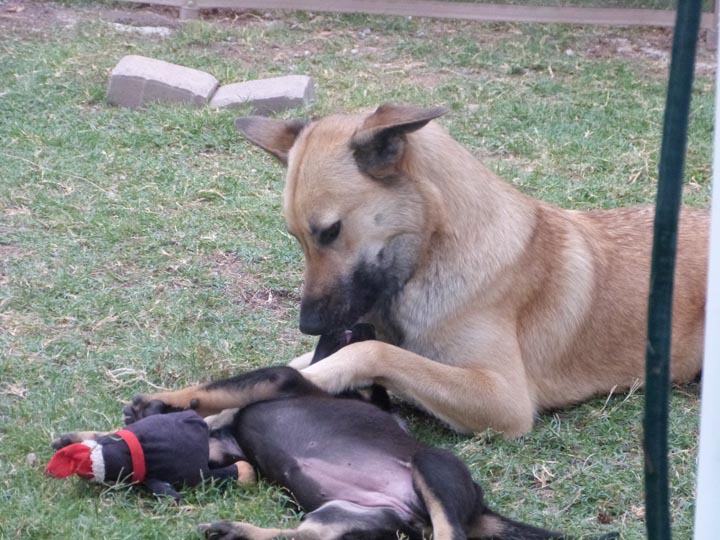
column 326, row 449
column 366, row 480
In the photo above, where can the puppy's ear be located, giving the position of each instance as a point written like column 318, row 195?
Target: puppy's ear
column 379, row 143
column 274, row 136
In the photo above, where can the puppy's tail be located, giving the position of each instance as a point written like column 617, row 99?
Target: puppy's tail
column 496, row 527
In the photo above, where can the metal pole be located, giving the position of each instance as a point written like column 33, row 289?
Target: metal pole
column 667, row 209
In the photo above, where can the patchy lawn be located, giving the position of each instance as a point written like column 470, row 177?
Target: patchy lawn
column 147, row 249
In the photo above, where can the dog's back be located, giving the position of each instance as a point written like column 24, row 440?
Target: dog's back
column 583, row 330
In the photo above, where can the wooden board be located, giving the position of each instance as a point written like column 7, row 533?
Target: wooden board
column 454, row 10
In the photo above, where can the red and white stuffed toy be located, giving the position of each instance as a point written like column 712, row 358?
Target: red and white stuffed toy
column 159, row 452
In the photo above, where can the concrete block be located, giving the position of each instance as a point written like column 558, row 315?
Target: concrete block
column 160, row 31
column 266, row 95
column 138, row 80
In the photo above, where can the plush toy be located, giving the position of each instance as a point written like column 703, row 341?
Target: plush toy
column 159, row 452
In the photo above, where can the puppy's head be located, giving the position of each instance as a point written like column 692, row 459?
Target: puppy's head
column 351, row 203
column 331, row 343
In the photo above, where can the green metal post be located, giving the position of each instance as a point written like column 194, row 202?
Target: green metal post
column 672, row 161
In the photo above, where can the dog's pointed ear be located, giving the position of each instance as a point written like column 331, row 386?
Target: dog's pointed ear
column 379, row 143
column 274, row 136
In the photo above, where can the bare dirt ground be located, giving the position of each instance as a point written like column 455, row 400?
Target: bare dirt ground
column 248, row 289
column 33, row 16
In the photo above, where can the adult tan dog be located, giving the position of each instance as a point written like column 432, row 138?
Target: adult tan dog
column 491, row 305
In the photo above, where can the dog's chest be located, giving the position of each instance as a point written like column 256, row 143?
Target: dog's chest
column 413, row 323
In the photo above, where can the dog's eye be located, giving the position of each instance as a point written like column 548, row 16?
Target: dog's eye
column 329, row 235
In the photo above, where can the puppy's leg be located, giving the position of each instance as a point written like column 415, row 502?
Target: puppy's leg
column 335, row 520
column 456, row 504
column 241, row 472
column 237, row 530
column 493, row 395
column 225, row 450
column 213, row 397
column 444, row 484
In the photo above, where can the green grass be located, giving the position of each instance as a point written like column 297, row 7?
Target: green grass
column 142, row 249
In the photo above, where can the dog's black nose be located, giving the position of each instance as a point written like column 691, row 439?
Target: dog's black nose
column 311, row 323
column 313, row 317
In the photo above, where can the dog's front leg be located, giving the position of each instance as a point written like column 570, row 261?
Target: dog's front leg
column 302, row 361
column 469, row 397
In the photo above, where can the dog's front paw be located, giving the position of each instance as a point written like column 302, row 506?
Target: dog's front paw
column 143, row 405
column 349, row 368
column 228, row 530
column 302, row 361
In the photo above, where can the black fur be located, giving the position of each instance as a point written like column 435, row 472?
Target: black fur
column 285, row 380
column 376, row 155
column 291, row 441
column 333, row 342
column 440, row 469
column 368, row 286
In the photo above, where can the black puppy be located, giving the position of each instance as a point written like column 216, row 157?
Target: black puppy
column 357, row 473
column 349, row 464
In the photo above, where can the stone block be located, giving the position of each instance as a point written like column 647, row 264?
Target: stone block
column 137, row 80
column 266, row 96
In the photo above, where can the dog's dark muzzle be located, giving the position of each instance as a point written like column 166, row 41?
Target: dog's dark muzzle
column 349, row 300
column 311, row 321
column 320, row 316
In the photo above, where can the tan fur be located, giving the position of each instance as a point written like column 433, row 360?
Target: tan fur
column 248, row 531
column 514, row 305
column 207, row 402
column 246, row 473
column 442, row 529
column 179, row 399
column 488, row 526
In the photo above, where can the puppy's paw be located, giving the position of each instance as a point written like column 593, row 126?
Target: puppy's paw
column 144, row 405
column 227, row 530
column 72, row 437
column 66, row 439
